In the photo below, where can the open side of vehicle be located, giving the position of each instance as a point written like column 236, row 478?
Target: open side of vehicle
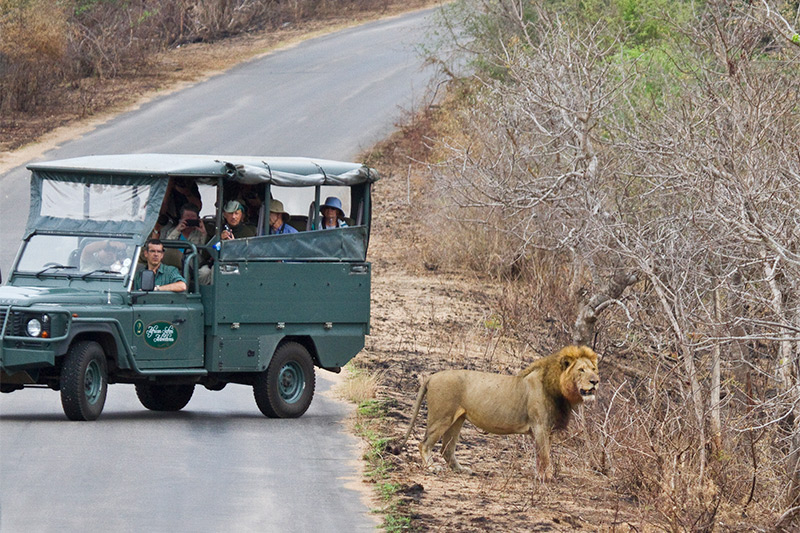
column 80, row 310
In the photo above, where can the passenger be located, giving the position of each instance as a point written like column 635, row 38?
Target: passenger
column 190, row 227
column 278, row 218
column 105, row 254
column 332, row 214
column 167, row 277
column 180, row 191
column 235, row 226
column 252, row 202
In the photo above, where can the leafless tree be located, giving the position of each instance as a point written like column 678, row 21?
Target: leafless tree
column 676, row 173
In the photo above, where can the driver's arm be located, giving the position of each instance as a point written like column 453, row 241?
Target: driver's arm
column 177, row 286
column 174, row 282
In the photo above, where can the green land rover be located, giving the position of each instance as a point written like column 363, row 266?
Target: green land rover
column 262, row 310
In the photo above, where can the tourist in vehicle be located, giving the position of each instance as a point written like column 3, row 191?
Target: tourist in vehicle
column 168, row 278
column 190, row 227
column 332, row 213
column 180, row 191
column 235, row 226
column 252, row 202
column 278, row 218
column 105, row 254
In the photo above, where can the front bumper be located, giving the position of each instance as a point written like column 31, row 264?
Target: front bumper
column 19, row 351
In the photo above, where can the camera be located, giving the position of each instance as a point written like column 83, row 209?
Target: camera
column 193, row 222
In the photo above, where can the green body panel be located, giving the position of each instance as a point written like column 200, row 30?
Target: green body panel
column 298, row 293
column 259, row 303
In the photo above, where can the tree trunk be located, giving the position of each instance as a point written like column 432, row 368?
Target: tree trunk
column 583, row 329
column 714, row 401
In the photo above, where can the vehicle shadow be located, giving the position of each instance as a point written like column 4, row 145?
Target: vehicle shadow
column 151, row 416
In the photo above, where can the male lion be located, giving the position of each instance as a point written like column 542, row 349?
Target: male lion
column 535, row 401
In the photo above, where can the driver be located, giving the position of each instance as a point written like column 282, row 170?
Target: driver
column 167, row 277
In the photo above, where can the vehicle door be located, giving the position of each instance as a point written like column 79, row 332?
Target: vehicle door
column 168, row 330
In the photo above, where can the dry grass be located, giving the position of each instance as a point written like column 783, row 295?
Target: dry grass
column 359, row 385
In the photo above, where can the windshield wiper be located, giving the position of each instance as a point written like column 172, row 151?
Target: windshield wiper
column 45, row 269
column 100, row 271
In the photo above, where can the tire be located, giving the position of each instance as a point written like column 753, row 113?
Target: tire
column 159, row 397
column 84, row 381
column 285, row 389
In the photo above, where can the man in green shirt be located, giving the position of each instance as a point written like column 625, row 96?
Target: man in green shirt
column 167, row 277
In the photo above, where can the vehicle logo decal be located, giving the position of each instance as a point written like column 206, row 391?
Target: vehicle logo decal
column 160, row 335
column 138, row 328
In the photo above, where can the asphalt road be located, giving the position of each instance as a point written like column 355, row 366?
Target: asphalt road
column 218, row 465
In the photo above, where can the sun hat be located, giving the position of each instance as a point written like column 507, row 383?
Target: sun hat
column 276, row 206
column 335, row 203
column 233, row 205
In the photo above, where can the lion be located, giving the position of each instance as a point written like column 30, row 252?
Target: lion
column 536, row 401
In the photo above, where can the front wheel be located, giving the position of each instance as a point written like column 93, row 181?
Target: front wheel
column 84, row 381
column 158, row 397
column 286, row 387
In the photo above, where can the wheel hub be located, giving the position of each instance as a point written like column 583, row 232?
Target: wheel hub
column 291, row 382
column 92, row 382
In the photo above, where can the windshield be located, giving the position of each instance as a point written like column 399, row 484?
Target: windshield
column 77, row 256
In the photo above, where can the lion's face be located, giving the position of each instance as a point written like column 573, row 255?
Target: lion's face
column 586, row 378
column 580, row 377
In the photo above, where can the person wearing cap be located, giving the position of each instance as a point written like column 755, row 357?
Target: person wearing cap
column 235, row 226
column 278, row 218
column 332, row 214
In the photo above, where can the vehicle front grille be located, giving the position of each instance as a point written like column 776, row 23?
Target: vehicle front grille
column 14, row 326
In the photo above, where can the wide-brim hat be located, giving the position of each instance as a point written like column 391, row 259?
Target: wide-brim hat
column 233, row 205
column 335, row 203
column 276, row 206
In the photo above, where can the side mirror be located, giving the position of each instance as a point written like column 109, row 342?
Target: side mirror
column 148, row 282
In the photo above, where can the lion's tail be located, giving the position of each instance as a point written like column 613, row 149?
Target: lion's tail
column 423, row 390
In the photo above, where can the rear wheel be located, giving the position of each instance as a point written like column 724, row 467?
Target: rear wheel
column 84, row 381
column 161, row 397
column 285, row 389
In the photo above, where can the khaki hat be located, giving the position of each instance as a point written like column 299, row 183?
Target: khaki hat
column 233, row 205
column 276, row 206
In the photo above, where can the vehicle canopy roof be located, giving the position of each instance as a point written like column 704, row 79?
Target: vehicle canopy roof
column 123, row 193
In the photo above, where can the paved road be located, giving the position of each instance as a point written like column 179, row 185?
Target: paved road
column 219, row 465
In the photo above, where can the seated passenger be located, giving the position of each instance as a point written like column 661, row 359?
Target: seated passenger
column 180, row 191
column 332, row 214
column 235, row 226
column 167, row 277
column 189, row 228
column 105, row 254
column 252, row 202
column 278, row 218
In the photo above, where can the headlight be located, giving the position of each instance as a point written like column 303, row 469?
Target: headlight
column 34, row 327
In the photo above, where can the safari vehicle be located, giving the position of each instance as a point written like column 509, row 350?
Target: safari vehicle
column 276, row 307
